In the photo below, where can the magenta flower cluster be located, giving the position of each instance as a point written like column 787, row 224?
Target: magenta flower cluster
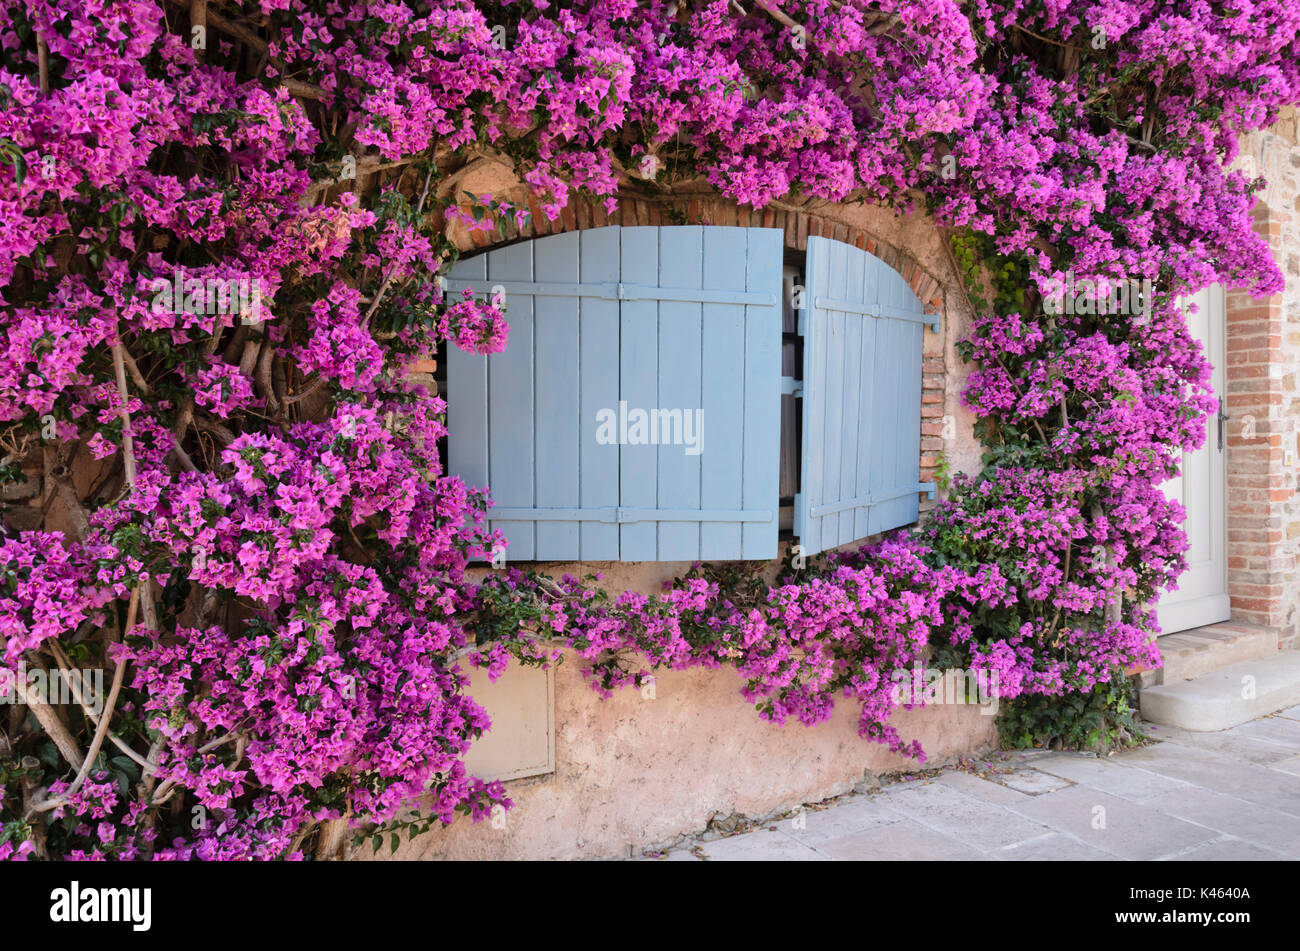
column 838, row 629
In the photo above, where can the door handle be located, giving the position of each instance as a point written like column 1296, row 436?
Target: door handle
column 1222, row 418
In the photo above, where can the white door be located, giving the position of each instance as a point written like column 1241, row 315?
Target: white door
column 1202, row 595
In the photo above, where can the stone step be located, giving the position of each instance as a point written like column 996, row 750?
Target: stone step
column 1226, row 697
column 1190, row 654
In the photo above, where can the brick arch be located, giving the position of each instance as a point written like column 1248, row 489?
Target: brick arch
column 582, row 214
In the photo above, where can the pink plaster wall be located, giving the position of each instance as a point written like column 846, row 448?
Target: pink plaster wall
column 634, row 773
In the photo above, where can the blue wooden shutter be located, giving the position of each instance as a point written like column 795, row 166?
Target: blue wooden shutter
column 677, row 318
column 861, row 446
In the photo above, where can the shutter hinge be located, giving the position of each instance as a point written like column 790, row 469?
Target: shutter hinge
column 926, row 487
column 934, row 321
column 791, row 387
column 615, row 290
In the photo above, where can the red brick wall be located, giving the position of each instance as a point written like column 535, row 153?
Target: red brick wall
column 1263, row 338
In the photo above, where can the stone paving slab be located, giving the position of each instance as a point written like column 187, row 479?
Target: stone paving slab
column 980, row 788
column 1118, row 827
column 957, row 815
column 1229, row 795
column 1290, row 765
column 1231, row 742
column 1278, row 730
column 900, row 841
column 1053, row 847
column 762, row 845
column 1222, row 774
column 1034, row 781
column 1267, row 828
column 1226, row 850
column 1116, row 778
column 847, row 818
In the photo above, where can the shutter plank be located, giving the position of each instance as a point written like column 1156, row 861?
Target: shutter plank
column 599, row 369
column 868, row 429
column 835, row 392
column 762, row 432
column 681, row 264
column 723, row 392
column 898, row 335
column 467, row 396
column 851, row 421
column 812, row 486
column 511, row 437
column 557, row 420
column 639, row 387
column 885, row 396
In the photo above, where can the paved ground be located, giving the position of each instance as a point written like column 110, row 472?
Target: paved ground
column 1190, row 796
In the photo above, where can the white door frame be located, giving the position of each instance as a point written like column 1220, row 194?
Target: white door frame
column 1202, row 595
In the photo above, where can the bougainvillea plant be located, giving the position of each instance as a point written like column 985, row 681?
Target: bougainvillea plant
column 222, row 228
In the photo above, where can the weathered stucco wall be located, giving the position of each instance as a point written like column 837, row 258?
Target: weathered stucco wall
column 634, row 773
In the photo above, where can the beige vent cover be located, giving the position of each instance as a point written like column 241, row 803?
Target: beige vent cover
column 522, row 739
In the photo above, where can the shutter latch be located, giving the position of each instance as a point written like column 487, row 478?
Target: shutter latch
column 791, row 387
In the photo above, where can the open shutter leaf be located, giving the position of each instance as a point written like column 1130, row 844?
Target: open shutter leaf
column 861, row 444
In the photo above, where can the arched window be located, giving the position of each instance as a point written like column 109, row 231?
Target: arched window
column 635, row 413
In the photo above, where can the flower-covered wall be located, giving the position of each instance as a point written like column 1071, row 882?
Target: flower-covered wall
column 224, row 225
